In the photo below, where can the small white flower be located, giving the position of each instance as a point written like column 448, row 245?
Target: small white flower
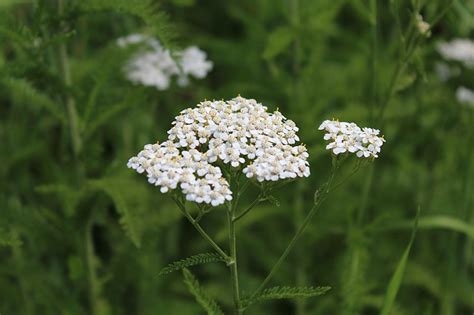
column 348, row 137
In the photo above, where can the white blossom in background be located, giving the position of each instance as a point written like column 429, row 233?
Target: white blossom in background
column 465, row 96
column 132, row 39
column 460, row 49
column 348, row 137
column 239, row 132
column 156, row 66
column 444, row 71
column 152, row 69
column 193, row 63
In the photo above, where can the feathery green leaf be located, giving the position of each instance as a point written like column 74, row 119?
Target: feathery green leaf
column 202, row 298
column 286, row 293
column 9, row 238
column 147, row 10
column 21, row 91
column 113, row 187
column 191, row 261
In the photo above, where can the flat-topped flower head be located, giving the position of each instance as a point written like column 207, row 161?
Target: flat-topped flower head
column 240, row 133
column 156, row 66
column 348, row 137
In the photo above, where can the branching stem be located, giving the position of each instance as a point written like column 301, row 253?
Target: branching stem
column 247, row 210
column 326, row 189
column 203, row 233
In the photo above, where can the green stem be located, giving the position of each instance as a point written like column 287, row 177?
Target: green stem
column 300, row 304
column 365, row 196
column 70, row 103
column 91, row 271
column 22, row 283
column 233, row 263
column 203, row 233
column 373, row 103
column 468, row 211
column 247, row 210
column 299, row 232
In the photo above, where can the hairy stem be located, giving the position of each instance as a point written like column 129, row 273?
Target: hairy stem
column 468, row 210
column 233, row 264
column 300, row 304
column 91, row 271
column 70, row 103
column 22, row 283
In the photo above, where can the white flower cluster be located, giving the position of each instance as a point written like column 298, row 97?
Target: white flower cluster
column 460, row 49
column 465, row 96
column 348, row 137
column 168, row 167
column 156, row 66
column 239, row 132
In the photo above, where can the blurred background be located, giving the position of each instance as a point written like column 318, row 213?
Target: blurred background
column 82, row 234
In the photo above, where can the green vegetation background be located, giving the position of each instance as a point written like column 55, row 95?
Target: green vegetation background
column 82, row 234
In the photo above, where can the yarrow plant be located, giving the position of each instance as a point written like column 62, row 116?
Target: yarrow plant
column 156, row 66
column 239, row 133
column 218, row 148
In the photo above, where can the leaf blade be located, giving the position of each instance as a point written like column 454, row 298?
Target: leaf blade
column 191, row 261
column 396, row 280
column 278, row 41
column 211, row 307
column 286, row 292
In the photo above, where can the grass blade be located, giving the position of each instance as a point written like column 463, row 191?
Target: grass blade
column 397, row 277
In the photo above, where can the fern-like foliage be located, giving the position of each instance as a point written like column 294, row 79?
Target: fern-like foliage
column 69, row 196
column 22, row 92
column 147, row 10
column 211, row 307
column 285, row 293
column 115, row 189
column 191, row 261
column 8, row 238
